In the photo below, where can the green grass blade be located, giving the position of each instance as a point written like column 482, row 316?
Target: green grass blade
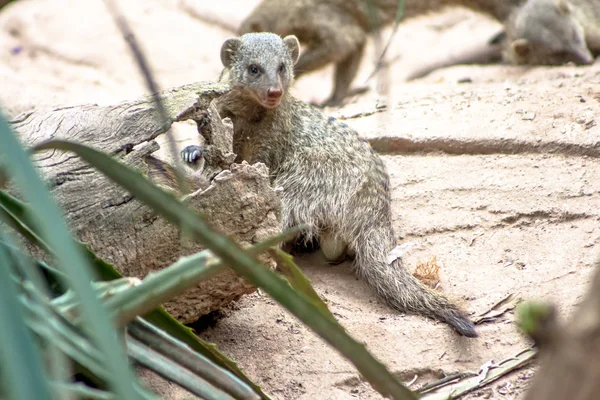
column 162, row 286
column 13, row 212
column 22, row 214
column 298, row 280
column 81, row 391
column 54, row 231
column 242, row 263
column 397, row 18
column 18, row 349
column 160, row 341
column 167, row 368
column 166, row 322
column 27, row 269
column 51, row 326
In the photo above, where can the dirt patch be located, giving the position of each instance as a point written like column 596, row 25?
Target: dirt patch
column 504, row 191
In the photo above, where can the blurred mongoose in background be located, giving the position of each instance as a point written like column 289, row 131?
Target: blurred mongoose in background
column 553, row 32
column 331, row 180
column 335, row 31
column 539, row 32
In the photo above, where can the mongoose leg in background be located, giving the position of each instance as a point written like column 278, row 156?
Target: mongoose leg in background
column 345, row 72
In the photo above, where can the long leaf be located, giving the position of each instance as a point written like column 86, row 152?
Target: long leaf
column 51, row 326
column 176, row 350
column 14, row 213
column 79, row 390
column 18, row 351
column 186, row 272
column 164, row 285
column 298, row 280
column 243, row 264
column 165, row 367
column 166, row 322
column 27, row 269
column 22, row 217
column 54, row 231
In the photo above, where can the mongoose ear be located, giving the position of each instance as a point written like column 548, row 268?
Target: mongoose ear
column 228, row 51
column 520, row 47
column 292, row 43
column 563, row 6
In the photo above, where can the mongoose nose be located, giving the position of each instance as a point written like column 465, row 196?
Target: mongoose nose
column 583, row 57
column 274, row 93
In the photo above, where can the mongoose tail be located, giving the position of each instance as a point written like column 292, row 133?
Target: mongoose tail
column 399, row 288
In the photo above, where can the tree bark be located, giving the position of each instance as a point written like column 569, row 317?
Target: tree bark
column 236, row 199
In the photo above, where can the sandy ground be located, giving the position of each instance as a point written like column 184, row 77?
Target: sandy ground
column 521, row 219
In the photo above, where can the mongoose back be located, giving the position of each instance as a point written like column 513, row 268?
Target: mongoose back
column 335, row 31
column 553, row 32
column 331, row 180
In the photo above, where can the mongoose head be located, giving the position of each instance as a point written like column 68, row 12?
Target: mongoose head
column 546, row 32
column 261, row 65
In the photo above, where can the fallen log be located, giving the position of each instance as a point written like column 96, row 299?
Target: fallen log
column 236, row 199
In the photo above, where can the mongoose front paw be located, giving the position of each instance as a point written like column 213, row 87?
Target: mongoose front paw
column 192, row 153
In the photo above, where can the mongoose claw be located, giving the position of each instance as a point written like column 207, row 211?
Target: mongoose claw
column 192, row 153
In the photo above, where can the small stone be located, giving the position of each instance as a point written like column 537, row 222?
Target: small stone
column 528, row 116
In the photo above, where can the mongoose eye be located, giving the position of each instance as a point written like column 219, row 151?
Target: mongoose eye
column 253, row 69
column 282, row 68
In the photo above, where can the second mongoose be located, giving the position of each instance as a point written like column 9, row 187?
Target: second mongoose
column 331, row 180
column 553, row 32
column 335, row 31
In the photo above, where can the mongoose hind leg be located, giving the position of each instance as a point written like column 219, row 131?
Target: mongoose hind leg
column 333, row 248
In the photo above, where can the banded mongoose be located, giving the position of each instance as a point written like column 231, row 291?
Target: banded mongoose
column 332, row 181
column 553, row 32
column 335, row 31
